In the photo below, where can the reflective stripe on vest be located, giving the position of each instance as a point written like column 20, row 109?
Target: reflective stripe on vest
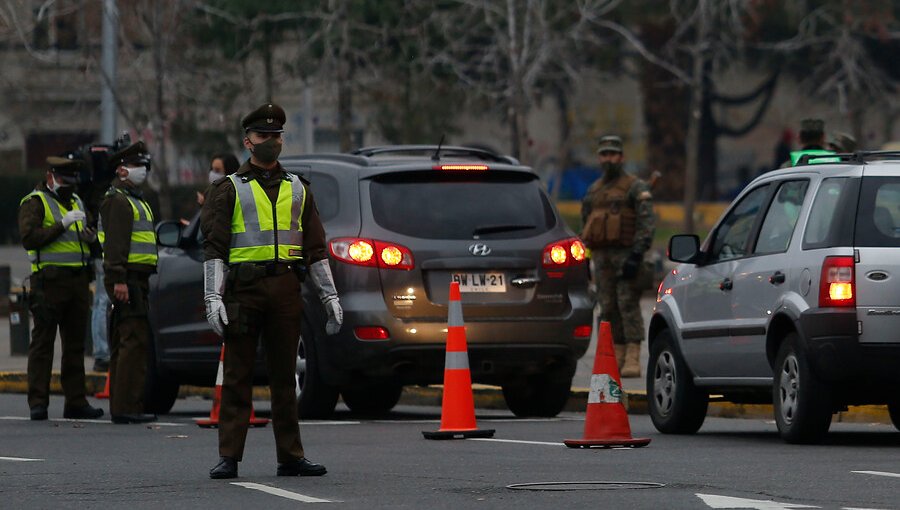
column 258, row 227
column 66, row 250
column 142, row 249
column 796, row 155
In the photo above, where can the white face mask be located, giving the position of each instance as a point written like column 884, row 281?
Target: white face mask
column 214, row 176
column 137, row 174
column 56, row 185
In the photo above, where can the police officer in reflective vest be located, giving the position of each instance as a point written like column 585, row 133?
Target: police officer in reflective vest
column 618, row 228
column 262, row 223
column 812, row 141
column 129, row 258
column 52, row 222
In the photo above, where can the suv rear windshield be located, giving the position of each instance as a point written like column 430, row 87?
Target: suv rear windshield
column 878, row 218
column 438, row 205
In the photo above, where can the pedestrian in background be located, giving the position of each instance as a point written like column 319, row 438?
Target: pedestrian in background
column 841, row 142
column 221, row 165
column 261, row 298
column 617, row 212
column 52, row 223
column 129, row 258
column 812, row 142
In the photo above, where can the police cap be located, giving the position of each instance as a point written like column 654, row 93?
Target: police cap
column 812, row 126
column 67, row 167
column 135, row 153
column 609, row 143
column 268, row 118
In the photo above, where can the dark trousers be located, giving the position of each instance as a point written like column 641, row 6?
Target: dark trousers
column 60, row 298
column 269, row 307
column 129, row 333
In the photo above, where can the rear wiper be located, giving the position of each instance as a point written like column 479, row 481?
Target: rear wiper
column 493, row 229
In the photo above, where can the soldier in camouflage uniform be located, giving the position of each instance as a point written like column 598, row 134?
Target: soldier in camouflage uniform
column 617, row 212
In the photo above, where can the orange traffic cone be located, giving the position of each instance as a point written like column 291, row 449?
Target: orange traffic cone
column 606, row 423
column 457, row 404
column 213, row 420
column 105, row 392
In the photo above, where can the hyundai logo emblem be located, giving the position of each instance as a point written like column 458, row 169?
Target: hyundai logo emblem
column 479, row 249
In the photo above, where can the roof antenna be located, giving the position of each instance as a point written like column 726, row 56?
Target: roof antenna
column 437, row 153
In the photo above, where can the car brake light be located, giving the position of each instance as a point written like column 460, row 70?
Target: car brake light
column 459, row 167
column 836, row 285
column 564, row 253
column 583, row 331
column 366, row 252
column 371, row 333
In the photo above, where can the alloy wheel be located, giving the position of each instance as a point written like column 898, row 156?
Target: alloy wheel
column 664, row 382
column 789, row 383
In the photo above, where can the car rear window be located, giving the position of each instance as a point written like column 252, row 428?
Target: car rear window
column 442, row 205
column 878, row 218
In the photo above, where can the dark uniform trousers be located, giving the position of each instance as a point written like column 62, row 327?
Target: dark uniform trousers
column 269, row 307
column 129, row 333
column 60, row 297
column 620, row 299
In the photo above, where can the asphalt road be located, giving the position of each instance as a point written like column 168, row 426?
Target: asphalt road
column 387, row 464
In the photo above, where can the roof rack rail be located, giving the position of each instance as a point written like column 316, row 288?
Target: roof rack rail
column 847, row 157
column 446, row 150
column 332, row 156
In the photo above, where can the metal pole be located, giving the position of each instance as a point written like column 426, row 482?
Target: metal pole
column 108, row 111
column 308, row 126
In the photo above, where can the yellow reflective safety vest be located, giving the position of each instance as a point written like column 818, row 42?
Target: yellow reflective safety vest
column 68, row 249
column 262, row 231
column 142, row 249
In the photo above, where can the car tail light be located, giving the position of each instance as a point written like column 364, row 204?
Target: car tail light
column 583, row 331
column 837, row 286
column 366, row 252
column 371, row 333
column 565, row 253
column 461, row 167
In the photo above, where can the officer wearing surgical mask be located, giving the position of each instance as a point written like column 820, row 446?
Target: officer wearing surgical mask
column 262, row 235
column 53, row 224
column 129, row 258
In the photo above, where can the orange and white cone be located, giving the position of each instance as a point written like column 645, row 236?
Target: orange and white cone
column 213, row 420
column 606, row 423
column 457, row 403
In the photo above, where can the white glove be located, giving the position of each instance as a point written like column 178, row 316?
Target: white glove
column 71, row 217
column 321, row 276
column 214, row 276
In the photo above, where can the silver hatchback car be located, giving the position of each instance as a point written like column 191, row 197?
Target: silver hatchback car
column 793, row 299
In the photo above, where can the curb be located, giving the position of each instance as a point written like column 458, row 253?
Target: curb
column 485, row 397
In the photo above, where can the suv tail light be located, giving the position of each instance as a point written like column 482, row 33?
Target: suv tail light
column 565, row 253
column 837, row 286
column 461, row 168
column 367, row 252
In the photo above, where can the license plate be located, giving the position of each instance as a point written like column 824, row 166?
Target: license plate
column 480, row 282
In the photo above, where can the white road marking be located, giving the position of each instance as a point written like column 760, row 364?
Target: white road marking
column 275, row 491
column 517, row 441
column 715, row 501
column 21, row 459
column 878, row 473
column 325, row 422
column 107, row 422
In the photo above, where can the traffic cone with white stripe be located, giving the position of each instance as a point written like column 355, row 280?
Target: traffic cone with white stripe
column 457, row 404
column 213, row 420
column 606, row 422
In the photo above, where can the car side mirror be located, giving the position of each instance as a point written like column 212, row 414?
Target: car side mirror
column 684, row 248
column 168, row 233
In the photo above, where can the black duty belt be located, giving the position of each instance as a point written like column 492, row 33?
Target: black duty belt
column 247, row 271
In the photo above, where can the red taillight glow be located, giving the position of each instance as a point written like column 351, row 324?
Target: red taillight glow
column 568, row 252
column 836, row 285
column 582, row 331
column 371, row 333
column 366, row 252
column 461, row 167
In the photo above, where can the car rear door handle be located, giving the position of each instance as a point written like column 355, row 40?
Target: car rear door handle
column 524, row 282
column 726, row 284
column 777, row 278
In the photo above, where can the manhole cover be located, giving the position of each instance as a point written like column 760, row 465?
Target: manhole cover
column 583, row 486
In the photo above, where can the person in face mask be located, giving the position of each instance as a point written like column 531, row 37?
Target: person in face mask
column 280, row 240
column 129, row 258
column 52, row 222
column 617, row 212
column 221, row 165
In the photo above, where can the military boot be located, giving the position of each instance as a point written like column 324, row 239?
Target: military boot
column 620, row 355
column 632, row 367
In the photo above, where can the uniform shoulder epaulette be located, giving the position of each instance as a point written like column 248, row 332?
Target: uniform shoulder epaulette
column 111, row 192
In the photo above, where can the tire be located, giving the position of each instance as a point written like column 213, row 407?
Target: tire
column 542, row 395
column 372, row 399
column 676, row 405
column 160, row 390
column 315, row 398
column 894, row 411
column 801, row 400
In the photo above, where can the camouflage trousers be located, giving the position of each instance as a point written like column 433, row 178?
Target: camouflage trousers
column 619, row 298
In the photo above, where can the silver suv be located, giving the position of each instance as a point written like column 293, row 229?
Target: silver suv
column 792, row 299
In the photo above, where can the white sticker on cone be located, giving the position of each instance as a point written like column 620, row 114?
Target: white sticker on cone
column 604, row 390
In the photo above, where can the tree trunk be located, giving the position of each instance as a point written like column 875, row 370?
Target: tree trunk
column 695, row 119
column 159, row 125
column 707, row 149
column 563, row 155
column 345, row 91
